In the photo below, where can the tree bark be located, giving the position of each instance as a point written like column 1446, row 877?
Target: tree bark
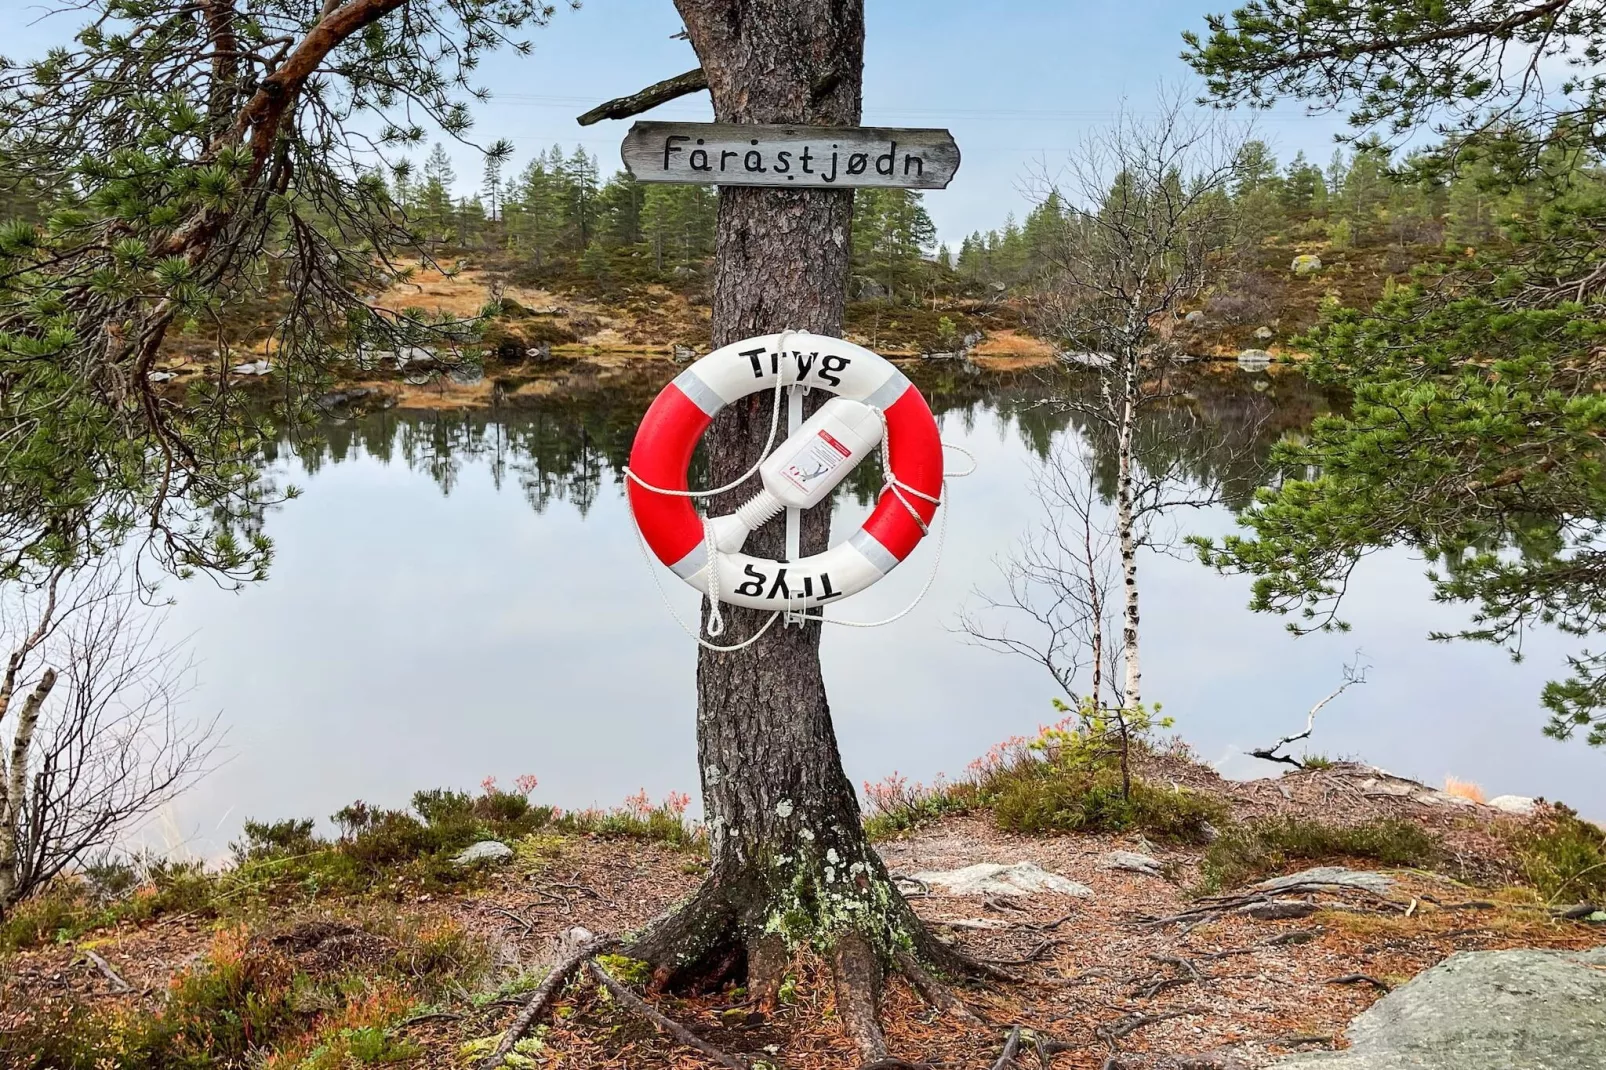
column 16, row 780
column 1125, row 521
column 791, row 865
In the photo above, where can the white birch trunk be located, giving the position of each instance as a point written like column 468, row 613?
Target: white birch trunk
column 16, row 781
column 1125, row 522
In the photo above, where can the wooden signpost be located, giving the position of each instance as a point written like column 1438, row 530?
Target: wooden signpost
column 824, row 157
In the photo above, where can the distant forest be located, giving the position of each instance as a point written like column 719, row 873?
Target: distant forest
column 559, row 220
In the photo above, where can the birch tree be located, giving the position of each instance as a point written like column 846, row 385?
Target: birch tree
column 97, row 741
column 1145, row 208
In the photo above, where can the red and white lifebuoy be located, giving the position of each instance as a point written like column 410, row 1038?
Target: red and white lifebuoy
column 681, row 413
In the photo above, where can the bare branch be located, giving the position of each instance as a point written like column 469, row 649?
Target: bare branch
column 1354, row 673
column 660, row 93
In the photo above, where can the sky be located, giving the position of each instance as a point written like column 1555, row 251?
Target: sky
column 1018, row 84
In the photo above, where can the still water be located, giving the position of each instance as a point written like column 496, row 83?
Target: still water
column 459, row 595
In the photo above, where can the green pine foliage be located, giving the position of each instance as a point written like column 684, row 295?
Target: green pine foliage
column 1477, row 433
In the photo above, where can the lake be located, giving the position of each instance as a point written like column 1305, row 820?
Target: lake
column 460, row 594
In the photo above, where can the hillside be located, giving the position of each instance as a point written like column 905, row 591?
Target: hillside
column 1162, row 951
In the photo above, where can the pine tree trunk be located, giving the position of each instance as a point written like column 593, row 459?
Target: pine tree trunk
column 790, row 861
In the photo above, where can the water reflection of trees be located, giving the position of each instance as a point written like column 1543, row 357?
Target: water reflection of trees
column 562, row 447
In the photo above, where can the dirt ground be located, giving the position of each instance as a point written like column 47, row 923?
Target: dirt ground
column 1140, row 974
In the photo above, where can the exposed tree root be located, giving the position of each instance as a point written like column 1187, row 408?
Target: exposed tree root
column 934, row 991
column 856, row 972
column 637, row 1005
column 1011, row 1046
column 1360, row 979
column 767, row 960
column 580, row 946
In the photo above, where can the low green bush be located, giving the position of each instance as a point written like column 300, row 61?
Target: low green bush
column 1260, row 848
column 1053, row 798
column 1563, row 857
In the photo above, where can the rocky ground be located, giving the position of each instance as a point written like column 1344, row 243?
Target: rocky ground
column 1118, row 963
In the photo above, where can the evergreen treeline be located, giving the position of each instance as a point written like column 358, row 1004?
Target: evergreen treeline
column 1363, row 197
column 558, row 217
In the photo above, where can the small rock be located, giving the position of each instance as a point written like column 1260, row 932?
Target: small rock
column 542, row 352
column 161, row 377
column 1332, row 877
column 1264, row 334
column 337, row 398
column 1134, row 862
column 868, row 289
column 484, row 851
column 1196, row 316
column 1306, row 264
column 685, row 354
column 467, row 375
column 419, row 378
column 1254, row 360
column 992, row 878
column 1514, row 804
column 255, row 367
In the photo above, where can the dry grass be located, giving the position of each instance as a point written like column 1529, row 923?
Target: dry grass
column 1463, row 789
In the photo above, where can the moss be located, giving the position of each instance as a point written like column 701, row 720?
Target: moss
column 624, row 968
column 1260, row 848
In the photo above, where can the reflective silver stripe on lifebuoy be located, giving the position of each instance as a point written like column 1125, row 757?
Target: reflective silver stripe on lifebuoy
column 698, row 392
column 889, row 391
column 816, row 362
column 879, row 556
column 692, row 563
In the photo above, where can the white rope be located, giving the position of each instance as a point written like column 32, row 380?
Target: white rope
column 716, row 618
column 646, row 556
column 936, row 560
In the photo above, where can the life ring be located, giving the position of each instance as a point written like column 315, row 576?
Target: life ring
column 670, row 430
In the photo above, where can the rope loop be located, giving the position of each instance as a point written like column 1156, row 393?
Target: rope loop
column 715, row 625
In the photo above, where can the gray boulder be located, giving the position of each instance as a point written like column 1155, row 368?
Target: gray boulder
column 484, row 851
column 1264, row 334
column 1133, row 862
column 1254, row 360
column 1306, row 264
column 993, row 879
column 1483, row 1010
column 1195, row 316
column 1520, row 805
column 1331, row 877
